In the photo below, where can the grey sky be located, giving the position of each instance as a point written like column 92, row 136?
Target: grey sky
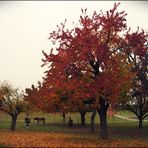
column 25, row 28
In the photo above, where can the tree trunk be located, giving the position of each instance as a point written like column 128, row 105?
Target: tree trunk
column 63, row 117
column 102, row 111
column 92, row 120
column 140, row 123
column 103, row 125
column 144, row 81
column 82, row 113
column 13, row 122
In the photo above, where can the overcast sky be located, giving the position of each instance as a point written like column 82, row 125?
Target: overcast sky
column 25, row 28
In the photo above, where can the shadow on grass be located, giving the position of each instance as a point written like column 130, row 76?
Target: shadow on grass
column 3, row 145
column 122, row 131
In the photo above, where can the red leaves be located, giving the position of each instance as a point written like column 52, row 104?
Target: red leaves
column 136, row 42
column 102, row 52
column 85, row 65
column 113, row 20
column 90, row 60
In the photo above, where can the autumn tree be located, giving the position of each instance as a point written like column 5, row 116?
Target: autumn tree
column 12, row 102
column 44, row 99
column 36, row 95
column 136, row 100
column 88, row 61
column 31, row 95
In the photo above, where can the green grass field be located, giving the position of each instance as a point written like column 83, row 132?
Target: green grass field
column 5, row 119
column 54, row 122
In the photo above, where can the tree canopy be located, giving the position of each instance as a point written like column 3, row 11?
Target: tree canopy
column 92, row 62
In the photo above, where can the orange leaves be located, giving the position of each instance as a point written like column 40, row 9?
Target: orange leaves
column 39, row 139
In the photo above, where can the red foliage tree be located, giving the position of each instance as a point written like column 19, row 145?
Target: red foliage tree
column 88, row 63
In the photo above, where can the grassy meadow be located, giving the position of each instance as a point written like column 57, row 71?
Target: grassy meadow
column 121, row 132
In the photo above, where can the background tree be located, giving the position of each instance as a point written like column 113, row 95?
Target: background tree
column 12, row 102
column 57, row 102
column 41, row 101
column 137, row 103
column 136, row 100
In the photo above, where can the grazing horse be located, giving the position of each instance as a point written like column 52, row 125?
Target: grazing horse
column 38, row 119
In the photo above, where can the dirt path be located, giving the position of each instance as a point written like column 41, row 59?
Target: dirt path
column 126, row 118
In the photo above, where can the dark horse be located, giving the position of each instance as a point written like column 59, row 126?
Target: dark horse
column 38, row 119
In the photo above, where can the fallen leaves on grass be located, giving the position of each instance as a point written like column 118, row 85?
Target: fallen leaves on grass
column 45, row 139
